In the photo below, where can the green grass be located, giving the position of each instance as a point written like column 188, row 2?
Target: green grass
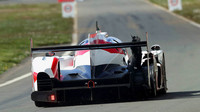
column 18, row 23
column 191, row 8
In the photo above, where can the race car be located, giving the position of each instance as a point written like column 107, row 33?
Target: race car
column 100, row 67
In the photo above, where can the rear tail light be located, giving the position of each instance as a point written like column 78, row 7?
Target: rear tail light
column 52, row 97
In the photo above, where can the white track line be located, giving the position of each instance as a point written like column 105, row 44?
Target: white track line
column 174, row 14
column 15, row 80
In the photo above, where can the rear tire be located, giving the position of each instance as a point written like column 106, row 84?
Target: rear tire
column 43, row 104
column 39, row 104
column 164, row 90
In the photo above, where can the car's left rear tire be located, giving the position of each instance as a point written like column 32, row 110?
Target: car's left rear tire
column 39, row 104
column 43, row 104
column 164, row 89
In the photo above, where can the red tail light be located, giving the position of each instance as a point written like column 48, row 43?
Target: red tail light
column 53, row 97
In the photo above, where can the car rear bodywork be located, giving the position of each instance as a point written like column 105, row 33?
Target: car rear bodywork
column 100, row 68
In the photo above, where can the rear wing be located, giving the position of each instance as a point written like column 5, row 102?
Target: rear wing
column 89, row 47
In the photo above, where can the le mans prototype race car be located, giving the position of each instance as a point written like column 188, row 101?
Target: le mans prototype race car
column 100, row 68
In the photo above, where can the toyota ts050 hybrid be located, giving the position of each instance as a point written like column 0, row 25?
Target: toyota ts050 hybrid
column 100, row 67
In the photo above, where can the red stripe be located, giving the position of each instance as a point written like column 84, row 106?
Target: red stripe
column 65, row 1
column 93, row 35
column 54, row 67
column 35, row 76
column 71, row 63
column 81, row 52
column 116, row 50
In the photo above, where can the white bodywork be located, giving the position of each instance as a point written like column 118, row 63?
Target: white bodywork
column 84, row 59
column 43, row 64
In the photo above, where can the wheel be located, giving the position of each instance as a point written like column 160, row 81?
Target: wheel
column 39, row 104
column 43, row 104
column 164, row 90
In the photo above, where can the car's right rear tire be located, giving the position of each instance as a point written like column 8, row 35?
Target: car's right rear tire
column 164, row 89
column 42, row 104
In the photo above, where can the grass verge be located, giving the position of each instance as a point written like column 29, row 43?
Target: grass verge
column 191, row 8
column 18, row 23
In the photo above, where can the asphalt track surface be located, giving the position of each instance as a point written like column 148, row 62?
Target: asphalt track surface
column 179, row 39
